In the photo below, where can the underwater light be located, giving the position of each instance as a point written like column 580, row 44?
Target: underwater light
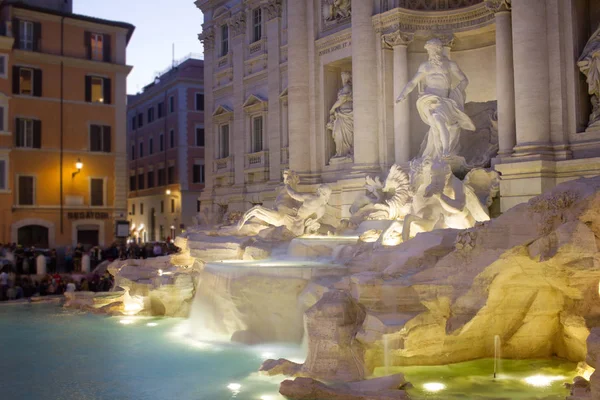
column 267, row 397
column 126, row 321
column 151, row 324
column 267, row 355
column 434, row 387
column 542, row 380
column 234, row 387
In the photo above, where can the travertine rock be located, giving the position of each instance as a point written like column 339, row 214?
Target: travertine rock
column 331, row 325
column 310, row 389
column 280, row 367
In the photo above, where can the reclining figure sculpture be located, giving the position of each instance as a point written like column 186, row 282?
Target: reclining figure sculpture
column 301, row 220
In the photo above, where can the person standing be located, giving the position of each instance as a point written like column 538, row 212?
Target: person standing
column 77, row 256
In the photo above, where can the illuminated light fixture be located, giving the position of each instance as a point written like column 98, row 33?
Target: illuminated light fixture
column 172, row 226
column 168, row 192
column 267, row 397
column 267, row 355
column 160, row 272
column 542, row 380
column 434, row 387
column 234, row 387
column 151, row 324
column 78, row 166
column 126, row 321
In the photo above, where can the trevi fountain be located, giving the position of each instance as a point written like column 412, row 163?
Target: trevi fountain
column 424, row 290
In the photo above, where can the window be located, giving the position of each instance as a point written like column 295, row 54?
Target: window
column 199, row 102
column 141, row 185
column 171, row 138
column 198, row 173
column 28, row 133
column 100, row 138
column 98, row 46
column 256, row 24
column 200, row 137
column 161, row 177
column 27, row 81
column 29, row 34
column 133, row 152
column 171, row 104
column 197, row 205
column 3, row 66
column 4, row 174
column 133, row 123
column 224, row 141
column 161, row 142
column 97, row 192
column 141, row 149
column 224, row 40
column 141, row 208
column 172, row 205
column 162, row 206
column 150, row 114
column 171, row 175
column 140, row 120
column 150, row 146
column 98, row 90
column 161, row 109
column 150, row 179
column 26, row 191
column 257, row 134
column 3, row 112
column 133, row 209
column 132, row 182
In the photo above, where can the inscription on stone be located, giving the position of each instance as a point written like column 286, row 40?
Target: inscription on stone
column 336, row 47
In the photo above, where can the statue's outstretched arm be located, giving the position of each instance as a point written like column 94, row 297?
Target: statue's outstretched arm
column 302, row 197
column 411, row 85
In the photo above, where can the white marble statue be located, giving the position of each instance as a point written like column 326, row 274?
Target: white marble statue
column 430, row 198
column 389, row 200
column 334, row 10
column 304, row 220
column 341, row 120
column 440, row 106
column 589, row 64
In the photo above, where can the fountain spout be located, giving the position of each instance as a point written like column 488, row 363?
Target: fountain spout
column 497, row 353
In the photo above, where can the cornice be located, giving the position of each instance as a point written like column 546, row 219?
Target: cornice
column 96, row 66
column 497, row 6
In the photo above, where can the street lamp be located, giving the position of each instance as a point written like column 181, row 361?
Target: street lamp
column 168, row 192
column 79, row 166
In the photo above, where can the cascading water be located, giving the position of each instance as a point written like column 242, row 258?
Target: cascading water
column 386, row 354
column 497, row 355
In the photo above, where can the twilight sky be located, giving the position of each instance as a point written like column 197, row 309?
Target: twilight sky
column 159, row 24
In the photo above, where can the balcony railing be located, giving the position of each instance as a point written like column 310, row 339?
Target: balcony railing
column 223, row 165
column 258, row 47
column 257, row 160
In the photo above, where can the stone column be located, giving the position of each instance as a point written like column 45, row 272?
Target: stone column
column 273, row 13
column 531, row 73
column 298, row 112
column 505, row 78
column 400, row 41
column 207, row 37
column 237, row 33
column 364, row 77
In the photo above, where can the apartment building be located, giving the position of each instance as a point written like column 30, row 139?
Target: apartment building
column 165, row 143
column 63, row 132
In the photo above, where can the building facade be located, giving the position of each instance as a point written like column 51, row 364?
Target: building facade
column 62, row 116
column 165, row 143
column 281, row 62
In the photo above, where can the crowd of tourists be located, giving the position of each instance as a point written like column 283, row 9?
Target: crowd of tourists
column 18, row 279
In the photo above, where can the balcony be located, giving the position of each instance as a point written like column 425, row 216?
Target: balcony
column 259, row 160
column 224, row 61
column 256, row 48
column 223, row 165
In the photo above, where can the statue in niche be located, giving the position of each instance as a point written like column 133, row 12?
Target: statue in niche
column 335, row 10
column 440, row 106
column 341, row 120
column 302, row 220
column 589, row 64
